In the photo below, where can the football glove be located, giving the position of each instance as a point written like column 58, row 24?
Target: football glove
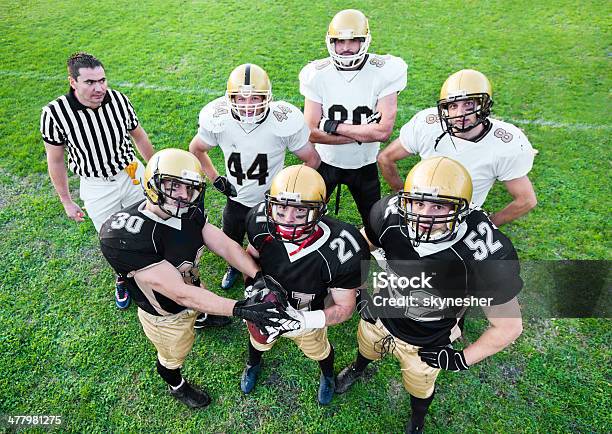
column 222, row 184
column 374, row 118
column 260, row 314
column 364, row 308
column 254, row 284
column 329, row 126
column 444, row 358
column 300, row 320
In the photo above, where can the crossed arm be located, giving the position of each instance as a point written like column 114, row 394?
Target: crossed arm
column 347, row 133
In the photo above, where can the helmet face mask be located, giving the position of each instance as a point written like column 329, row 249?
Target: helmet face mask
column 348, row 24
column 174, row 181
column 465, row 85
column 310, row 211
column 169, row 200
column 435, row 200
column 246, row 82
column 430, row 228
column 295, row 204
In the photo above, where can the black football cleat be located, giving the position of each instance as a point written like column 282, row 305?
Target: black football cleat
column 326, row 389
column 411, row 429
column 346, row 378
column 249, row 377
column 191, row 396
column 206, row 320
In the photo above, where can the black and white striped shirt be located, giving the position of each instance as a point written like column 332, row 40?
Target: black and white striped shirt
column 98, row 140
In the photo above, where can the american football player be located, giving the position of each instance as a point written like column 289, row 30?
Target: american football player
column 350, row 104
column 429, row 232
column 311, row 256
column 460, row 127
column 253, row 132
column 156, row 245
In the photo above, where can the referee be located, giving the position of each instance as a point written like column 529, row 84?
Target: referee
column 95, row 124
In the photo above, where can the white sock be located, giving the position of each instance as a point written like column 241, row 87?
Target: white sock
column 179, row 386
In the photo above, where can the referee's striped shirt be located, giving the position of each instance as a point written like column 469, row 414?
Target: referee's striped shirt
column 97, row 140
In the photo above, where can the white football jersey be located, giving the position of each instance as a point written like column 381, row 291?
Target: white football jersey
column 253, row 153
column 352, row 96
column 503, row 153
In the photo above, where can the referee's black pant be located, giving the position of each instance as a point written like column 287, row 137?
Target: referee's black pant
column 363, row 184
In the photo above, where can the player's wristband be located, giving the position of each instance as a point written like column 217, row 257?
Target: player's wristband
column 314, row 319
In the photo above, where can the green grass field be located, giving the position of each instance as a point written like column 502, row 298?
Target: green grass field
column 64, row 348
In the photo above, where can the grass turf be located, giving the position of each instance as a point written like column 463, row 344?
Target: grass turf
column 64, row 349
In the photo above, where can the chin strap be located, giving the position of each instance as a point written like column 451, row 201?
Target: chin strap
column 308, row 241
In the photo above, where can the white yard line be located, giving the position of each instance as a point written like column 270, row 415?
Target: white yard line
column 195, row 90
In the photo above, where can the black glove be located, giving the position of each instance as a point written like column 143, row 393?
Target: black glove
column 261, row 314
column 363, row 307
column 374, row 117
column 444, row 358
column 222, row 184
column 329, row 126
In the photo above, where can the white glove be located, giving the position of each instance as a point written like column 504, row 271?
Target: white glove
column 303, row 320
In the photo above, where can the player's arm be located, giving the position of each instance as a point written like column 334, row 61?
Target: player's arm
column 343, row 307
column 252, row 251
column 387, row 163
column 166, row 279
column 365, row 237
column 309, row 155
column 313, row 112
column 524, row 199
column 200, row 149
column 228, row 249
column 59, row 179
column 506, row 326
column 374, row 131
column 142, row 142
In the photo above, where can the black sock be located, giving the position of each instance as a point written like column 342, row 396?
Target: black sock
column 327, row 364
column 361, row 362
column 419, row 410
column 254, row 355
column 171, row 376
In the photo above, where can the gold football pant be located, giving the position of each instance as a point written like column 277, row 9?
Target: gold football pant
column 172, row 335
column 314, row 344
column 418, row 377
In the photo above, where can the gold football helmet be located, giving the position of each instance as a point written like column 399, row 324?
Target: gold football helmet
column 246, row 81
column 299, row 187
column 165, row 171
column 462, row 85
column 348, row 24
column 438, row 180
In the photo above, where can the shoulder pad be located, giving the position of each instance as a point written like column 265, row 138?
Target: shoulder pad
column 509, row 134
column 310, row 70
column 215, row 115
column 391, row 66
column 287, row 118
column 428, row 116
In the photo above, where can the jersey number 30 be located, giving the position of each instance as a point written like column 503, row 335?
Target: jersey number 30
column 258, row 170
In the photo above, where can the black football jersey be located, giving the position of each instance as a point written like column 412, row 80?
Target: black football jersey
column 334, row 260
column 479, row 264
column 134, row 238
